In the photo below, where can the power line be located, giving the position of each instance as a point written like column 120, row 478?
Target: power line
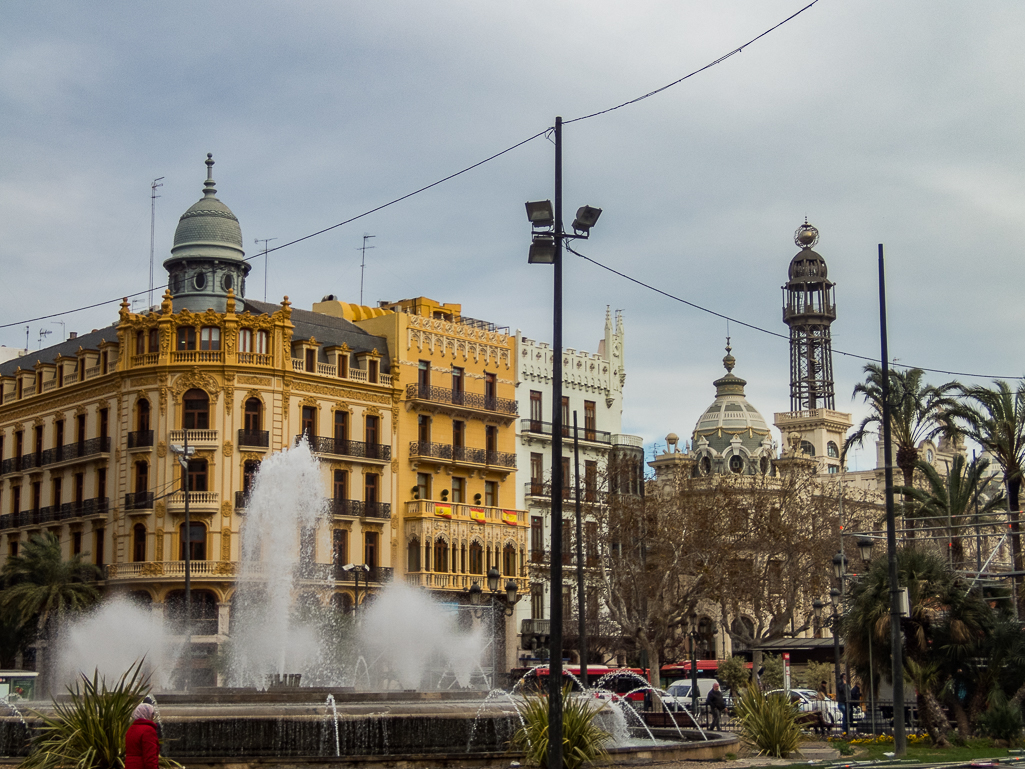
column 769, row 332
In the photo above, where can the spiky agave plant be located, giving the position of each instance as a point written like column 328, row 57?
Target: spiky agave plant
column 583, row 741
column 88, row 731
column 768, row 722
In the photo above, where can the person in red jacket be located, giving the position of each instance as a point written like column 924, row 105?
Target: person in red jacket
column 142, row 741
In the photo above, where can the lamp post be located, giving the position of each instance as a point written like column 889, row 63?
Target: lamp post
column 355, row 570
column 511, row 598
column 546, row 248
column 838, row 599
column 694, row 665
column 183, row 453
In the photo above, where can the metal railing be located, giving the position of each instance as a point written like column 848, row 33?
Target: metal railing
column 347, row 448
column 139, row 500
column 461, row 398
column 258, row 438
column 377, row 574
column 462, row 454
column 140, row 439
column 55, row 513
column 545, row 428
column 357, row 508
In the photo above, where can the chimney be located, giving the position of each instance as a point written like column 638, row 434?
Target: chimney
column 73, row 335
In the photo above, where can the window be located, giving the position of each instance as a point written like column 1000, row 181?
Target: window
column 140, row 342
column 458, row 490
column 15, row 499
column 311, row 360
column 154, row 340
column 79, row 489
column 341, row 484
column 491, row 439
column 309, row 421
column 567, row 541
column 60, row 379
column 458, row 434
column 423, row 486
column 491, row 493
column 423, row 428
column 536, row 474
column 413, row 555
column 186, row 338
column 458, row 384
column 490, row 388
column 423, row 378
column 252, row 415
column 370, row 540
column 833, row 451
column 99, row 538
column 590, row 480
column 736, row 464
column 565, row 478
column 537, row 538
column 372, row 371
column 536, row 411
column 195, row 540
column 197, row 475
column 58, row 438
column 341, row 425
column 38, row 433
column 340, row 547
column 101, row 483
column 370, row 481
column 13, row 544
column 245, row 340
column 104, row 422
column 476, row 558
column 591, row 542
column 565, row 415
column 537, row 601
column 196, row 410
column 249, row 471
column 262, row 342
column 371, row 434
column 56, row 492
column 833, row 469
column 440, row 555
column 141, row 477
column 590, row 421
column 210, row 338
column 37, row 495
column 139, row 543
column 142, row 414
column 509, row 561
column 807, row 448
column 80, row 429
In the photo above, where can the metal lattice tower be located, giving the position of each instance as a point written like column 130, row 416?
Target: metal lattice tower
column 809, row 309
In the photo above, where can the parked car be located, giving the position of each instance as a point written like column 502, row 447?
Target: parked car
column 678, row 697
column 807, row 701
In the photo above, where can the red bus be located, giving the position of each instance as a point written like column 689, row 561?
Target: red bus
column 620, row 681
column 681, row 670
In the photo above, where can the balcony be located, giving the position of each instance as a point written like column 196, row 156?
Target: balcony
column 357, row 508
column 55, row 513
column 197, row 356
column 140, row 439
column 196, row 437
column 461, row 400
column 461, row 582
column 377, row 574
column 66, row 453
column 331, row 370
column 534, row 427
column 462, row 454
column 241, row 500
column 139, row 501
column 175, row 569
column 254, row 438
column 199, row 502
column 255, row 359
column 346, row 448
column 425, row 508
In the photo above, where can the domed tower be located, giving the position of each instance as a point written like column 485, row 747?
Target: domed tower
column 207, row 259
column 809, row 309
column 731, row 436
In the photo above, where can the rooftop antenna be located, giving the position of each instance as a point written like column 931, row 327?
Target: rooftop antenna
column 152, row 231
column 64, row 333
column 43, row 333
column 26, row 338
column 363, row 264
column 266, row 263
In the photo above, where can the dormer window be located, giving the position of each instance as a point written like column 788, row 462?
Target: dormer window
column 373, row 370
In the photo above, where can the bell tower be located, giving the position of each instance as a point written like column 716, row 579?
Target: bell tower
column 809, row 309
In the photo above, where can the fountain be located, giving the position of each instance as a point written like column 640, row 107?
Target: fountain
column 394, row 684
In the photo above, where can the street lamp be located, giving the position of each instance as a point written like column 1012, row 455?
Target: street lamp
column 183, row 453
column 546, row 248
column 355, row 569
column 510, row 599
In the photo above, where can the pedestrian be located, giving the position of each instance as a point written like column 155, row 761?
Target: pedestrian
column 842, row 700
column 142, row 741
column 716, row 704
column 855, row 697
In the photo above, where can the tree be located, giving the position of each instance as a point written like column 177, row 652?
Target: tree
column 948, row 624
column 918, row 411
column 995, row 419
column 950, row 502
column 41, row 587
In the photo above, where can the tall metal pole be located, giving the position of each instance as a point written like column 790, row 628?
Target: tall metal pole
column 555, row 577
column 152, row 232
column 188, row 568
column 581, row 604
column 900, row 740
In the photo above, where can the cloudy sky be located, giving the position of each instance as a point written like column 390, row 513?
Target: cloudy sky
column 881, row 121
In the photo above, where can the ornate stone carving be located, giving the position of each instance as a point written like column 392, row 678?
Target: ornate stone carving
column 163, row 400
column 228, row 448
column 225, row 544
column 250, row 456
column 226, row 507
column 161, row 449
column 262, row 381
column 195, row 379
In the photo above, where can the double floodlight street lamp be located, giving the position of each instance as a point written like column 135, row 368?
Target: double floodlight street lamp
column 183, row 453
column 512, row 592
column 357, row 569
column 546, row 248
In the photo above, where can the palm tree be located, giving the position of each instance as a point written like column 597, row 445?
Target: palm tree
column 918, row 411
column 995, row 419
column 41, row 587
column 950, row 501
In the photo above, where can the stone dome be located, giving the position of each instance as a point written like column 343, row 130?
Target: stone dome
column 807, row 264
column 208, row 225
column 731, row 435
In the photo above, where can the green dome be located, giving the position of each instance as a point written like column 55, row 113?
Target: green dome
column 208, row 228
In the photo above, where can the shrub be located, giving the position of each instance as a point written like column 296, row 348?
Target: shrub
column 733, row 674
column 772, row 672
column 583, row 741
column 768, row 723
column 1002, row 721
column 88, row 732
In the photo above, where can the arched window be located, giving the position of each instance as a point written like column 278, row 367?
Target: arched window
column 253, row 413
column 476, row 558
column 832, row 450
column 440, row 555
column 245, row 340
column 340, row 547
column 736, row 464
column 807, row 448
column 705, row 465
column 196, row 542
column 262, row 342
column 139, row 543
column 509, row 561
column 142, row 415
column 342, row 602
column 196, row 410
column 204, row 611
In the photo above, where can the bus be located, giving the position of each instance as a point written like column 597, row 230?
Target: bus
column 621, row 682
column 681, row 670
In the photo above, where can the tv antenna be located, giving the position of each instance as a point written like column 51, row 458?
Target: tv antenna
column 64, row 333
column 152, row 231
column 266, row 263
column 43, row 333
column 363, row 263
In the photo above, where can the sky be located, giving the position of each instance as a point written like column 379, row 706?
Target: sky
column 881, row 122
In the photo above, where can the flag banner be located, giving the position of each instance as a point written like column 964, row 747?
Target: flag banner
column 442, row 510
column 477, row 514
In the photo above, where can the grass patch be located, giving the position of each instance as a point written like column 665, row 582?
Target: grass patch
column 923, row 751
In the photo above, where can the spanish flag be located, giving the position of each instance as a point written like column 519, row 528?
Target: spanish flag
column 443, row 510
column 509, row 517
column 477, row 514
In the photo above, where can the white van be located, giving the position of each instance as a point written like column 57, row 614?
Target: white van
column 679, row 693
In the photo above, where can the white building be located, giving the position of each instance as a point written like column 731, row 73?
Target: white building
column 592, row 390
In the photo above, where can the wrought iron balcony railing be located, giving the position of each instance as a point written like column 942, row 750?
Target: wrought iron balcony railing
column 359, row 509
column 377, row 574
column 140, row 439
column 461, row 398
column 461, row 454
column 347, row 448
column 139, row 500
column 78, row 450
column 258, row 438
column 583, row 433
column 55, row 513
